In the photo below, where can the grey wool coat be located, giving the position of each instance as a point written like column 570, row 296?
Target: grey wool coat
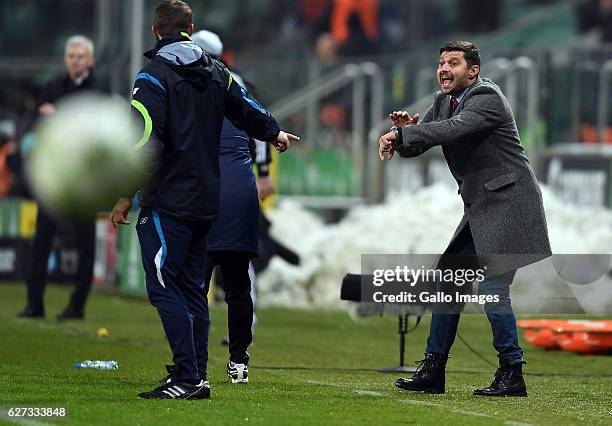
column 502, row 200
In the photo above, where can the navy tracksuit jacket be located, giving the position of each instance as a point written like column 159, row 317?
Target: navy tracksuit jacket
column 236, row 227
column 181, row 97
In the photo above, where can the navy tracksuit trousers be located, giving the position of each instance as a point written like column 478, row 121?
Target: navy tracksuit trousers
column 174, row 259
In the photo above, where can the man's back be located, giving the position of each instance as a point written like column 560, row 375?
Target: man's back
column 186, row 95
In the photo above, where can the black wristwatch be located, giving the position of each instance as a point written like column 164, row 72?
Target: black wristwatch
column 398, row 135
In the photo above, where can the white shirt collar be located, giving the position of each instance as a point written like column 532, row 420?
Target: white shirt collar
column 79, row 80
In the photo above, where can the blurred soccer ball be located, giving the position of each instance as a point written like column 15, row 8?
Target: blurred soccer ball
column 84, row 156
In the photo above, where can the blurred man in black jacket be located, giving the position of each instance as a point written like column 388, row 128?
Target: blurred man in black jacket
column 78, row 78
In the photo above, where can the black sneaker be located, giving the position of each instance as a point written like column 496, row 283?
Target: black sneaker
column 171, row 369
column 238, row 373
column 71, row 313
column 178, row 390
column 28, row 312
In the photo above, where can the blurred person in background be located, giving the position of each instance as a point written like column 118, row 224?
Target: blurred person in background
column 234, row 235
column 358, row 41
column 78, row 78
column 181, row 97
column 232, row 240
column 503, row 223
column 594, row 18
column 479, row 16
column 596, row 14
column 349, row 16
column 7, row 147
column 352, row 26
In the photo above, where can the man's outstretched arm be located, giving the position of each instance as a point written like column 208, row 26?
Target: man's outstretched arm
column 247, row 114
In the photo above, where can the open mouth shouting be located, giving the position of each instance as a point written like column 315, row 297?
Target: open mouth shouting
column 446, row 82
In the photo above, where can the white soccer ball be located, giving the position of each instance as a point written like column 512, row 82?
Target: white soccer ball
column 84, row 157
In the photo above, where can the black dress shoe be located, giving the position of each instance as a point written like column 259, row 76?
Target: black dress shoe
column 429, row 377
column 28, row 312
column 508, row 381
column 71, row 313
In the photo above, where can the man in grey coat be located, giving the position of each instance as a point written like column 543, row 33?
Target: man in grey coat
column 503, row 223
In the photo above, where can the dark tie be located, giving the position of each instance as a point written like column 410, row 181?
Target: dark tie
column 454, row 104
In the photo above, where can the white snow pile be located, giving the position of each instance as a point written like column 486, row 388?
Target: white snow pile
column 422, row 222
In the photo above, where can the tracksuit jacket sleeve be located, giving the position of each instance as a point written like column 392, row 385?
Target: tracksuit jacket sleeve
column 247, row 114
column 148, row 107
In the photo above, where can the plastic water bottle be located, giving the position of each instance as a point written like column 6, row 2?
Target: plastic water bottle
column 100, row 365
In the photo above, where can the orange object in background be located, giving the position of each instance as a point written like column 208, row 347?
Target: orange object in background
column 6, row 176
column 589, row 134
column 539, row 333
column 580, row 336
column 587, row 343
column 543, row 338
column 342, row 11
column 585, row 337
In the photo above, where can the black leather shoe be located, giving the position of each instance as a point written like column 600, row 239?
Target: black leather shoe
column 28, row 312
column 508, row 381
column 71, row 313
column 429, row 377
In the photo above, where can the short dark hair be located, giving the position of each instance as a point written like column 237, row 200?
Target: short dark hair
column 471, row 52
column 172, row 17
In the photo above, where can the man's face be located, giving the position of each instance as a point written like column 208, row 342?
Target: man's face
column 454, row 73
column 78, row 60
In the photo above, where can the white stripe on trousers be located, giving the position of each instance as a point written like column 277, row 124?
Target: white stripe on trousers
column 158, row 266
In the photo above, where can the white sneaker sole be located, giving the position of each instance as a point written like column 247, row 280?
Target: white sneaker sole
column 234, row 381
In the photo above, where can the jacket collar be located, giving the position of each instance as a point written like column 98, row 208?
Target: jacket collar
column 461, row 95
column 150, row 54
column 84, row 81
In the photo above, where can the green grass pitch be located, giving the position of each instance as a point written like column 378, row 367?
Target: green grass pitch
column 307, row 367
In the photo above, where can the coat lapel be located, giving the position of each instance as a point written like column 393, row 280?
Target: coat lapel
column 445, row 107
column 460, row 106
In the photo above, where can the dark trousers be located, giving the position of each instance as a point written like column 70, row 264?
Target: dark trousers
column 174, row 258
column 46, row 229
column 237, row 285
column 443, row 327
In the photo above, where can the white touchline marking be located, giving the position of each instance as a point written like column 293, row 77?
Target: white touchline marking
column 452, row 410
column 368, row 392
column 417, row 402
column 315, row 382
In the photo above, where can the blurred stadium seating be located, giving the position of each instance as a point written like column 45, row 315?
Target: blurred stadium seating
column 549, row 56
